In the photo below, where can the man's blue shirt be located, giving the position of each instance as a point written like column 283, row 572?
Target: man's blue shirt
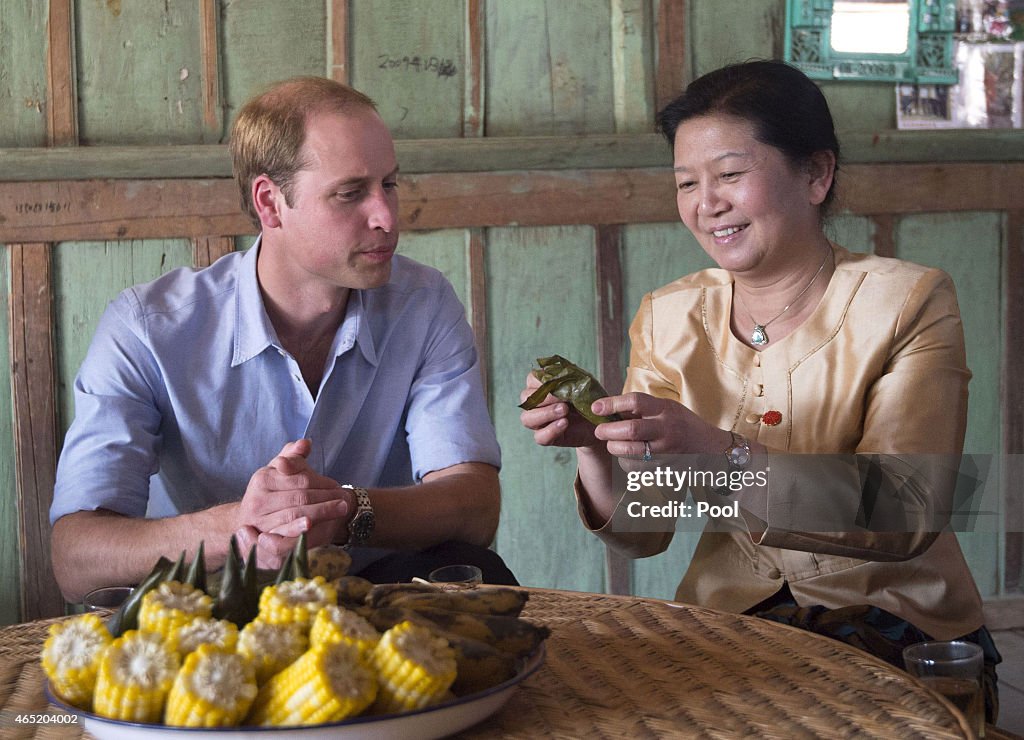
column 186, row 391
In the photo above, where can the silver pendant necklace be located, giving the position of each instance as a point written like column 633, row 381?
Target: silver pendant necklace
column 759, row 336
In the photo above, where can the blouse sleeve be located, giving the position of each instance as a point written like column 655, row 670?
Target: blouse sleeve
column 626, row 534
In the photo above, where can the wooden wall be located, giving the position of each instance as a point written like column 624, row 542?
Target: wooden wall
column 549, row 204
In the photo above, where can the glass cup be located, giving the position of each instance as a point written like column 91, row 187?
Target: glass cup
column 456, row 576
column 952, row 668
column 108, row 597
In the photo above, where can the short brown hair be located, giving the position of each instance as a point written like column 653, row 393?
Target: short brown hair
column 268, row 134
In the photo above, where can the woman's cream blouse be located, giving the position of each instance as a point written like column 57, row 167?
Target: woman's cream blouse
column 879, row 370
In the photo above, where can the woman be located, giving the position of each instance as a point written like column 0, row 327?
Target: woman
column 794, row 346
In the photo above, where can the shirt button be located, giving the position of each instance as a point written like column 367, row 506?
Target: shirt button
column 753, row 418
column 757, row 360
column 774, row 573
column 759, row 391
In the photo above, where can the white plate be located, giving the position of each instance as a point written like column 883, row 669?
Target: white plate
column 421, row 724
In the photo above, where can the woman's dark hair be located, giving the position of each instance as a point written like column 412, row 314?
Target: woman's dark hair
column 787, row 110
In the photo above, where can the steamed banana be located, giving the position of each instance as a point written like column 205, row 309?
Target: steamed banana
column 352, row 590
column 488, row 600
column 383, row 593
column 330, row 561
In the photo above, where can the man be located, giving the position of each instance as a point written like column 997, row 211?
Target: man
column 318, row 338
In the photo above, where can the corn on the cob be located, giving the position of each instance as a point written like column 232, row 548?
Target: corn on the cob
column 271, row 647
column 71, row 657
column 203, row 631
column 135, row 675
column 335, row 624
column 330, row 682
column 214, row 688
column 171, row 605
column 415, row 668
column 296, row 601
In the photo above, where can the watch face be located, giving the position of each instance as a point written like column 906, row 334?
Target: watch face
column 361, row 527
column 739, row 456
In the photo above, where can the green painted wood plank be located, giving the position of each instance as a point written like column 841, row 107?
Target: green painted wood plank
column 633, row 51
column 87, row 276
column 9, row 554
column 866, row 106
column 410, row 57
column 267, row 40
column 856, row 233
column 653, row 255
column 444, row 250
column 548, row 68
column 968, row 246
column 540, row 301
column 23, row 72
column 139, row 72
column 594, row 151
column 729, row 31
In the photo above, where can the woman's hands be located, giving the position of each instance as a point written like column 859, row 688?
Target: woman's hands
column 552, row 423
column 667, row 426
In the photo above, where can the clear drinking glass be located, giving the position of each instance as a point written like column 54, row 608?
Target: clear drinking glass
column 108, row 597
column 456, row 575
column 952, row 668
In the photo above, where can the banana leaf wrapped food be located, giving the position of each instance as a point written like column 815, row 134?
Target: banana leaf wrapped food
column 567, row 382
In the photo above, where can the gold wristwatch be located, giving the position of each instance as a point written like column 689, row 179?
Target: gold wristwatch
column 360, row 527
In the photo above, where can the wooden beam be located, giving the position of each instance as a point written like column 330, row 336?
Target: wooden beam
column 139, row 209
column 673, row 68
column 1013, row 405
column 209, row 45
column 482, row 154
column 611, row 332
column 338, row 56
column 33, row 379
column 607, row 249
column 61, row 96
column 120, row 209
column 208, row 249
column 501, row 153
column 476, row 33
column 130, row 209
column 885, row 235
column 478, row 302
column 899, row 189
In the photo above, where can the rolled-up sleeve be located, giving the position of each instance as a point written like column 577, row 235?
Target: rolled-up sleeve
column 447, row 422
column 110, row 450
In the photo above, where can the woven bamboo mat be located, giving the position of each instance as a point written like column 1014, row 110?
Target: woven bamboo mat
column 629, row 668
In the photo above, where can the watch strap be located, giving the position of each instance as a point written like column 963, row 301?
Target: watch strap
column 361, row 526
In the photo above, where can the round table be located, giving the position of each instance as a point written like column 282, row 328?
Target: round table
column 635, row 668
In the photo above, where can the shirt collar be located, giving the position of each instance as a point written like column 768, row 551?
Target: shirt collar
column 356, row 325
column 254, row 333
